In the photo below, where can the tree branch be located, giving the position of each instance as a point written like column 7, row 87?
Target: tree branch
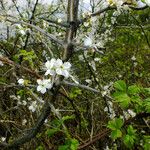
column 52, row 37
column 80, row 86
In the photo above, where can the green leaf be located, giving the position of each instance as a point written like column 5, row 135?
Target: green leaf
column 70, row 144
column 116, row 134
column 133, row 90
column 122, row 98
column 146, row 142
column 120, row 85
column 40, row 148
column 131, row 130
column 63, row 147
column 130, row 138
column 67, row 118
column 115, row 124
column 51, row 132
column 75, row 92
column 146, row 104
column 128, row 141
column 74, row 144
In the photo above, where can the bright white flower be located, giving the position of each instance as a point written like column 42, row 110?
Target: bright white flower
column 97, row 59
column 21, row 81
column 135, row 64
column 22, row 32
column 63, row 68
column 3, row 138
column 50, row 66
column 29, row 99
column 33, row 106
column 44, row 85
column 86, row 24
column 147, row 2
column 88, row 42
column 106, row 109
column 24, row 102
column 58, row 67
column 140, row 4
column 81, row 57
column 133, row 58
column 59, row 20
column 45, row 121
column 120, row 76
column 88, row 81
column 1, row 63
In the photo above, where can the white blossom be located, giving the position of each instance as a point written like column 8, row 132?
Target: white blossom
column 29, row 99
column 63, row 68
column 33, row 106
column 22, row 32
column 3, row 138
column 133, row 58
column 140, row 4
column 24, row 103
column 44, row 85
column 97, row 59
column 88, row 42
column 81, row 57
column 88, row 81
column 135, row 64
column 57, row 67
column 59, row 20
column 147, row 2
column 86, row 24
column 21, row 81
column 50, row 66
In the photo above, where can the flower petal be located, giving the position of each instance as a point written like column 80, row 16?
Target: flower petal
column 67, row 65
column 43, row 90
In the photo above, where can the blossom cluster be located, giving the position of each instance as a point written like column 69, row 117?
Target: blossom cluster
column 56, row 66
column 53, row 67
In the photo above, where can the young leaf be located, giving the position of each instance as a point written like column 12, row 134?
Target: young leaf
column 131, row 130
column 122, row 98
column 115, row 124
column 147, row 105
column 74, row 144
column 51, row 132
column 116, row 134
column 128, row 141
column 130, row 138
column 120, row 85
column 133, row 90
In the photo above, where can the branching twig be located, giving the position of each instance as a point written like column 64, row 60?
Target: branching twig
column 80, row 86
column 10, row 62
